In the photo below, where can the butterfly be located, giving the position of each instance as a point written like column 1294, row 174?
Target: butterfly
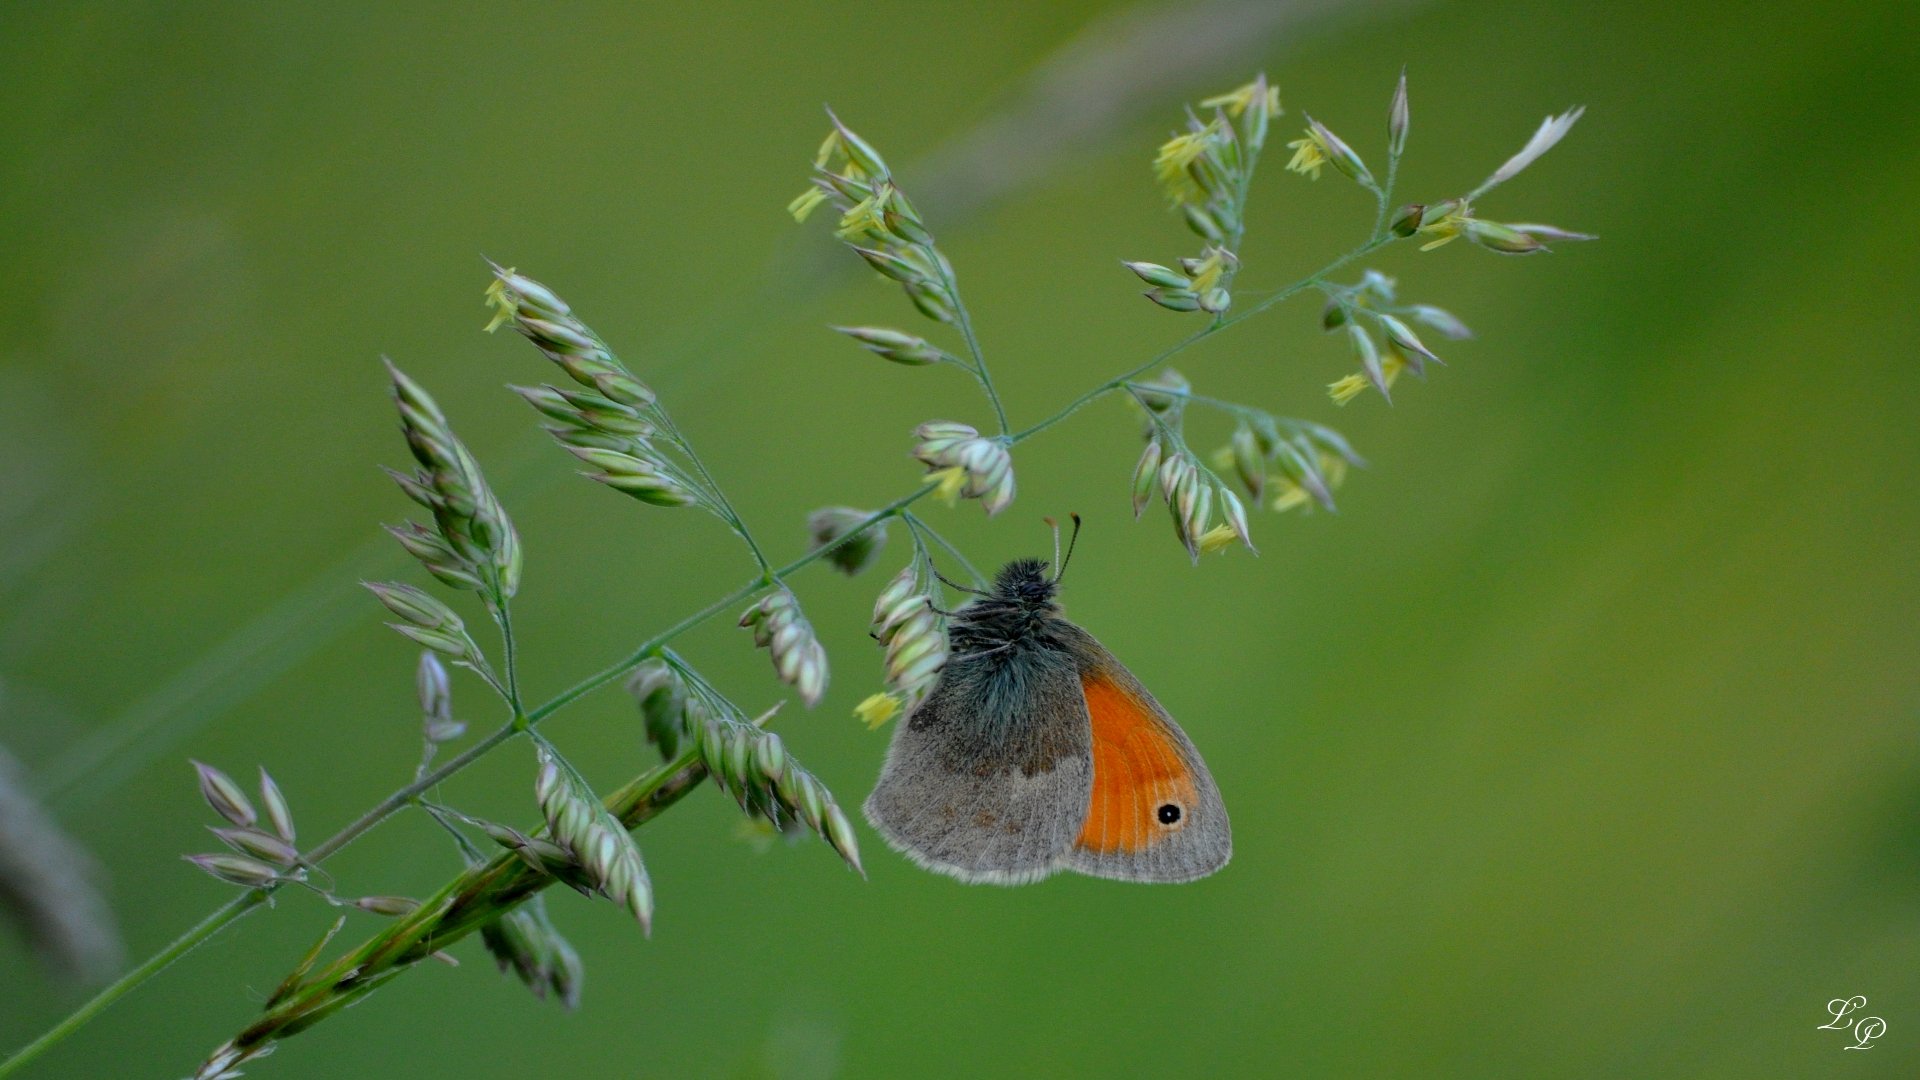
column 1038, row 751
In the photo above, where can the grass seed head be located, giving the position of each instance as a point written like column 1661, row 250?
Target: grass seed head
column 779, row 626
column 859, row 538
column 225, row 796
column 236, row 869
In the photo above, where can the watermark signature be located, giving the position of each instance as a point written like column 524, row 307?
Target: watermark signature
column 1863, row 1029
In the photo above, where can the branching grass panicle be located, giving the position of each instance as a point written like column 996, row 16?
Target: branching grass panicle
column 619, row 433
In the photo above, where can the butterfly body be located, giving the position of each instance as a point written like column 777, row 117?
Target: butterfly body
column 1038, row 751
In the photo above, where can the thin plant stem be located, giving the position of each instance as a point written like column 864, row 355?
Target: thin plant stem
column 1230, row 407
column 633, row 659
column 1116, row 382
column 1170, row 432
column 973, row 346
column 916, row 525
column 510, row 659
column 481, row 668
column 726, row 509
column 721, row 506
column 220, row 919
column 1287, row 293
column 1383, row 198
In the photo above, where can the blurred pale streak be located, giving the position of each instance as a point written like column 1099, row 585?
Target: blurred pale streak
column 46, row 886
column 1132, row 63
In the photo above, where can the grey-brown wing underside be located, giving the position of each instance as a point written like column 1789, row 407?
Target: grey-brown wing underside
column 987, row 780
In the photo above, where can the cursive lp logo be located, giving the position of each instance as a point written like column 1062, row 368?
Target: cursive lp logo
column 1863, row 1029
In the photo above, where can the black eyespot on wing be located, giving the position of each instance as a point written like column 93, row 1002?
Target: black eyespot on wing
column 1168, row 814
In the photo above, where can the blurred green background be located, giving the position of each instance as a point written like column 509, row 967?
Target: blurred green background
column 1580, row 743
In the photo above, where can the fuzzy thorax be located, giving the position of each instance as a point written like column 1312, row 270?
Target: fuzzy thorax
column 1016, row 612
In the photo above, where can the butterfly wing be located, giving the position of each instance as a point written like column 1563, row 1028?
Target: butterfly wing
column 987, row 780
column 1153, row 812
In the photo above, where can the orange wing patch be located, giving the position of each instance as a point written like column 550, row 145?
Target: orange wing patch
column 1142, row 790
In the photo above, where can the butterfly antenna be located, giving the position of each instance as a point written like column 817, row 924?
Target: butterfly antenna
column 1055, row 526
column 952, row 584
column 1071, row 541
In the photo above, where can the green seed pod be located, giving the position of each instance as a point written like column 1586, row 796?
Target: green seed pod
column 587, row 437
column 453, row 646
column 529, row 297
column 431, row 688
column 1441, row 320
column 1174, row 299
column 236, row 869
column 1339, row 153
column 558, row 338
column 624, row 389
column 415, row 606
column 800, row 793
column 566, row 974
column 1248, row 462
column 932, row 300
column 1194, row 510
column 549, row 402
column 858, row 150
column 279, row 814
column 900, row 589
column 903, row 221
column 1409, row 344
column 1300, row 461
column 1368, row 354
column 1235, row 514
column 1155, row 274
column 224, row 795
column 1174, row 473
column 515, row 943
column 614, row 462
column 770, row 757
column 839, row 833
column 1204, row 224
column 416, row 486
column 663, row 704
column 937, row 435
column 1551, row 232
column 1398, row 117
column 615, row 419
column 1501, row 238
column 1143, row 476
column 891, row 266
column 712, row 747
column 831, row 524
column 654, row 489
column 582, row 368
column 435, row 556
column 259, row 845
column 893, row 345
column 739, row 758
